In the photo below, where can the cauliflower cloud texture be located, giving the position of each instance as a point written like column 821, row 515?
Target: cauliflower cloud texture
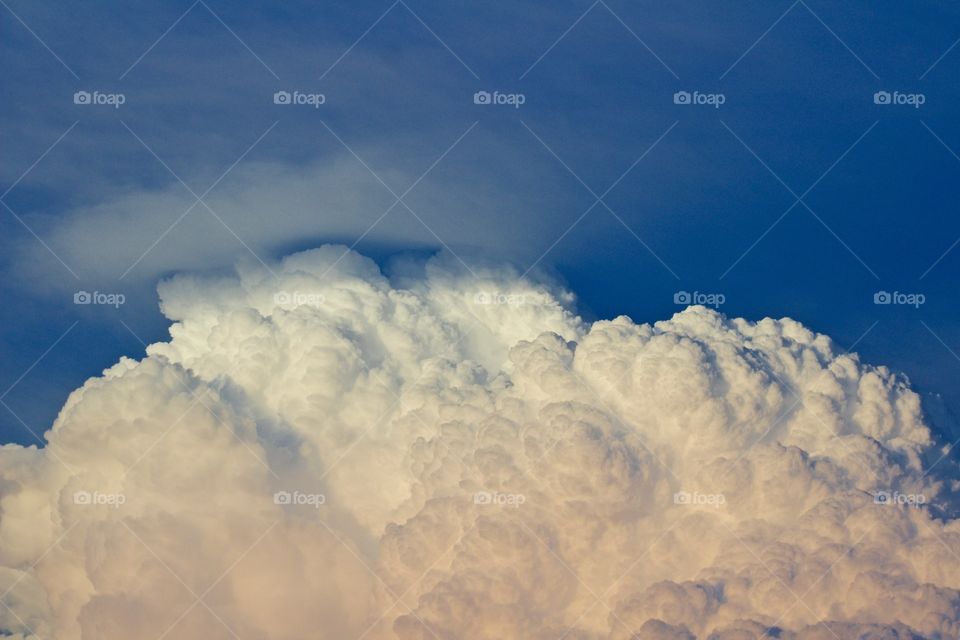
column 325, row 452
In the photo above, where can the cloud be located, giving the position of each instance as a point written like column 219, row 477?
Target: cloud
column 326, row 452
column 131, row 237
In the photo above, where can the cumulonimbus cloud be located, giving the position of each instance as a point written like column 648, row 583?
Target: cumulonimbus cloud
column 329, row 453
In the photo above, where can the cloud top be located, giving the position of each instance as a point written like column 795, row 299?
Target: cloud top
column 329, row 452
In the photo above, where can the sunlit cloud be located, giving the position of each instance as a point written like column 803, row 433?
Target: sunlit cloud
column 324, row 451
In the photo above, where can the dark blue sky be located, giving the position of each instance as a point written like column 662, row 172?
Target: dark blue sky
column 799, row 196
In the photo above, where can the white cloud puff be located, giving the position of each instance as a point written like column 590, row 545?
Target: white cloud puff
column 330, row 453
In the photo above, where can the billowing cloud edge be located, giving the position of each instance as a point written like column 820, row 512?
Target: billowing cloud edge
column 323, row 451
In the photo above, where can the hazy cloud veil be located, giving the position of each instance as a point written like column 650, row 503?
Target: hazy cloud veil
column 326, row 452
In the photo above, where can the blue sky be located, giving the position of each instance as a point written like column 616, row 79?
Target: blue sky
column 798, row 196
